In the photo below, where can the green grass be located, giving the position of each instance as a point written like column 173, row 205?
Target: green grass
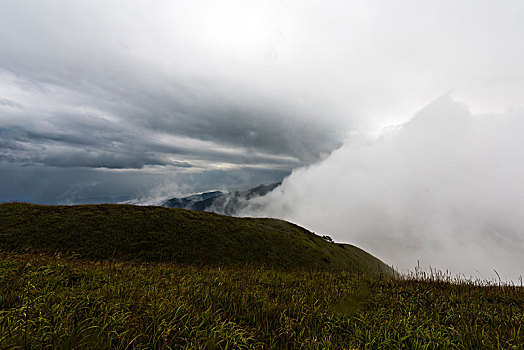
column 95, row 277
column 147, row 234
column 56, row 302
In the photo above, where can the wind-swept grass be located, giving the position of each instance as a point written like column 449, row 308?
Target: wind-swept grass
column 56, row 302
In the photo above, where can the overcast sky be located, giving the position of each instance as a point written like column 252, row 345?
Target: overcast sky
column 107, row 101
column 96, row 94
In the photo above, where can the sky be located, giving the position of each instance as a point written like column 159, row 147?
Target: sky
column 390, row 115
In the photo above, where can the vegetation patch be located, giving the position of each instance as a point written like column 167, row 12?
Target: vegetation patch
column 95, row 277
column 57, row 302
column 158, row 234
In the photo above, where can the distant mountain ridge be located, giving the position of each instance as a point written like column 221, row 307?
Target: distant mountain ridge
column 227, row 203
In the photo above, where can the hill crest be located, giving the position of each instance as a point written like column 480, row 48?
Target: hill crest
column 158, row 234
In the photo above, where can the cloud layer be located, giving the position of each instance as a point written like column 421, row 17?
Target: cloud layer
column 143, row 87
column 207, row 85
column 444, row 189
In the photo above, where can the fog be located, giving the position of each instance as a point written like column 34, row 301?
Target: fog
column 443, row 189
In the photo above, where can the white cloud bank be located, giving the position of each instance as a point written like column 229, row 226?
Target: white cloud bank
column 444, row 188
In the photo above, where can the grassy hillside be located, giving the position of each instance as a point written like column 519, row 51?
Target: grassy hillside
column 157, row 234
column 62, row 303
column 127, row 283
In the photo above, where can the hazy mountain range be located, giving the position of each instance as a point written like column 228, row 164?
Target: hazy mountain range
column 228, row 203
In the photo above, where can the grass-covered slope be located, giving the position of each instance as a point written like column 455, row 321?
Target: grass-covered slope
column 60, row 303
column 133, row 233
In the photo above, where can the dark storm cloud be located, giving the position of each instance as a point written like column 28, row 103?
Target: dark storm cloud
column 128, row 135
column 65, row 150
column 132, row 129
column 79, row 97
column 261, row 128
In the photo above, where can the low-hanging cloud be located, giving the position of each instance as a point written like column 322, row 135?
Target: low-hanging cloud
column 444, row 189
